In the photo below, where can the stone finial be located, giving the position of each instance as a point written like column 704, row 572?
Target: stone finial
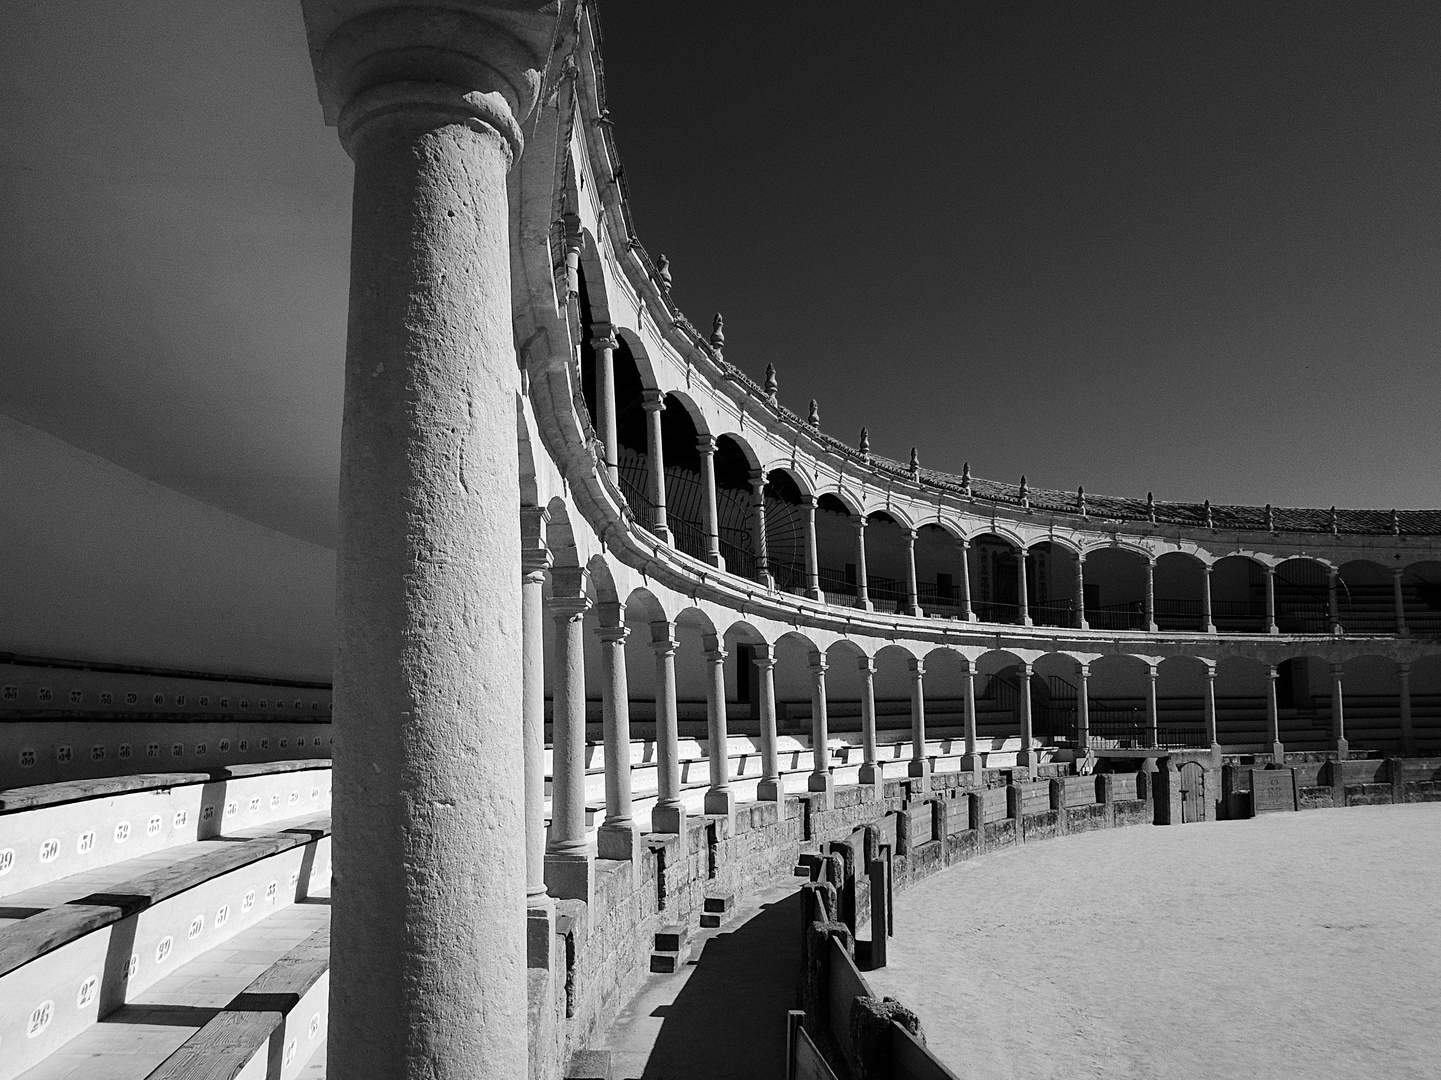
column 865, row 441
column 814, row 418
column 1335, row 522
column 966, row 478
column 1081, row 501
column 772, row 386
column 1151, row 507
column 717, row 333
column 1210, row 521
column 1270, row 519
column 1395, row 523
column 915, row 461
column 662, row 271
column 1024, row 492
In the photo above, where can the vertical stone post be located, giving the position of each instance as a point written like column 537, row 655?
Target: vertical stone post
column 1208, row 622
column 1402, row 630
column 913, row 593
column 813, row 566
column 1153, row 715
column 1333, row 608
column 1270, row 572
column 758, row 527
column 653, row 402
column 719, row 798
column 618, row 837
column 863, row 591
column 535, row 560
column 1273, row 718
column 604, row 344
column 1208, row 707
column 428, row 951
column 971, row 762
column 1338, row 713
column 1081, row 620
column 668, row 815
column 1025, row 756
column 920, row 765
column 1023, row 604
column 769, row 787
column 965, row 580
column 1151, row 595
column 1408, row 736
column 567, row 858
column 820, row 779
column 710, row 517
column 1083, row 708
column 870, row 772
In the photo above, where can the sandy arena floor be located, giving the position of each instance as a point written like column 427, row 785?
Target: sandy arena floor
column 1292, row 945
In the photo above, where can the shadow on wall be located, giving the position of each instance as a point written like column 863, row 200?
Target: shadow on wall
column 729, row 1019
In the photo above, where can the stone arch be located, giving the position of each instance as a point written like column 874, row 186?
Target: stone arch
column 1421, row 593
column 994, row 566
column 1116, row 586
column 785, row 504
column 1051, row 582
column 794, row 650
column 682, row 425
column 525, row 455
column 559, row 536
column 602, row 580
column 1238, row 594
column 735, row 463
column 938, row 569
column 1180, row 581
column 644, row 615
column 887, row 561
column 1302, row 586
column 1365, row 597
column 835, row 518
column 635, row 347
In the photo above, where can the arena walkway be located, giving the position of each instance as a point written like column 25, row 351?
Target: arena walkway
column 724, row 1015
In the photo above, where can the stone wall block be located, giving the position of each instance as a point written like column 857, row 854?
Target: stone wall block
column 870, row 1035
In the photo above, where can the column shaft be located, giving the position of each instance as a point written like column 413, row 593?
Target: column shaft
column 1023, row 604
column 1153, row 715
column 758, row 525
column 669, row 813
column 1408, row 736
column 1273, row 718
column 604, row 345
column 567, row 843
column 1338, row 712
column 1209, row 708
column 1208, row 623
column 769, row 788
column 813, row 566
column 870, row 771
column 719, row 799
column 920, row 765
column 1151, row 595
column 863, row 592
column 972, row 761
column 1271, row 600
column 913, row 593
column 820, row 778
column 966, row 613
column 1401, row 628
column 1081, row 620
column 1025, row 756
column 705, row 445
column 532, row 712
column 617, row 838
column 1083, row 707
column 1333, row 608
column 653, row 402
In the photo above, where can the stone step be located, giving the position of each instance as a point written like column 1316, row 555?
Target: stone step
column 665, row 962
column 715, row 909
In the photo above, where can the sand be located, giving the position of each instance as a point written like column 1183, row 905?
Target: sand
column 1291, row 945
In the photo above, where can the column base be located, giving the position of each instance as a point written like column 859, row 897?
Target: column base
column 569, row 877
column 1216, row 755
column 870, row 773
column 618, row 840
column 668, row 819
column 815, row 594
column 1210, row 629
column 1278, row 753
column 714, row 558
column 769, row 791
column 1026, row 757
column 920, row 770
column 660, row 532
column 1152, row 628
column 917, row 611
column 539, row 931
column 971, row 763
column 1342, row 749
column 722, row 802
column 822, row 782
column 1148, row 765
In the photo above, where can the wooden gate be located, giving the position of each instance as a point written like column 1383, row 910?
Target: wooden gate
column 1193, row 792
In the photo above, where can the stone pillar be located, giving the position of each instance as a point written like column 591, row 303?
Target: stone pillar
column 1273, row 719
column 1270, row 572
column 428, row 954
column 1151, row 595
column 1209, row 709
column 971, row 762
column 769, row 789
column 920, row 765
column 1401, row 628
column 719, row 798
column 870, row 771
column 604, row 344
column 618, row 837
column 913, row 592
column 813, row 566
column 1153, row 716
column 535, row 560
column 758, row 526
column 1338, row 712
column 1023, row 606
column 1333, row 609
column 820, row 778
column 567, row 856
column 1083, row 708
column 966, row 613
column 710, row 516
column 1408, row 736
column 668, row 816
column 1025, row 756
column 653, row 402
column 1208, row 622
column 1081, row 620
column 863, row 594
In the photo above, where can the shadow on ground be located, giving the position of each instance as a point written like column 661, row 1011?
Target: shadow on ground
column 729, row 1020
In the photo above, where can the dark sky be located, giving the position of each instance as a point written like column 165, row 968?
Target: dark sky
column 1188, row 248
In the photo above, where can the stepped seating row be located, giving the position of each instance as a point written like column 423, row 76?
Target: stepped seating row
column 199, row 950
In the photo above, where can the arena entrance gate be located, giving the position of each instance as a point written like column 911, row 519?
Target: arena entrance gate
column 1193, row 792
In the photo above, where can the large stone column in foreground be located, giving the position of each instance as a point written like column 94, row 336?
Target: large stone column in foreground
column 428, row 935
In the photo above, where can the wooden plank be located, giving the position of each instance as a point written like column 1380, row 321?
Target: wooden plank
column 66, row 791
column 809, row 1065
column 844, row 983
column 911, row 1060
column 264, row 768
column 1273, row 789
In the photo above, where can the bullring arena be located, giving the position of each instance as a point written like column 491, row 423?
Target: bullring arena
column 632, row 699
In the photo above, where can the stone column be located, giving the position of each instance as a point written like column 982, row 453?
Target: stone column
column 668, row 816
column 1270, row 572
column 1401, row 629
column 966, row 613
column 1081, row 621
column 758, row 526
column 653, row 402
column 920, row 765
column 1151, row 596
column 1273, row 718
column 719, row 798
column 913, row 592
column 1408, row 736
column 567, row 856
column 618, row 837
column 813, row 566
column 535, row 560
column 770, row 788
column 1209, row 709
column 1333, row 608
column 971, row 762
column 863, row 593
column 429, row 909
column 820, row 778
column 1025, row 756
column 1338, row 712
column 870, row 771
column 705, row 446
column 1208, row 623
column 604, row 344
column 1153, row 716
column 1023, row 604
column 1083, row 707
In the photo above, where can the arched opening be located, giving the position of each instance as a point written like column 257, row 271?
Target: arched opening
column 632, row 458
column 1243, row 685
column 1056, row 697
column 995, row 587
column 685, row 495
column 1051, row 584
column 836, row 550
column 1238, row 595
column 1181, row 703
column 1116, row 589
column 999, row 687
column 1302, row 597
column 1421, row 594
column 1366, row 598
column 938, row 568
column 735, row 509
column 1371, row 706
column 1117, row 693
column 887, row 563
column 786, row 532
column 1179, row 583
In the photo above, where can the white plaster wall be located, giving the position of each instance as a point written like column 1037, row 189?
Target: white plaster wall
column 101, row 564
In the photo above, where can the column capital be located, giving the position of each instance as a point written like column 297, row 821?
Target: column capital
column 1403, row 667
column 1337, row 670
column 963, row 544
column 604, row 336
column 757, row 480
column 916, row 667
column 1152, row 672
column 611, row 612
column 535, row 557
column 859, row 523
column 1268, row 569
column 705, row 445
column 652, row 400
column 567, row 581
column 664, row 646
column 764, row 655
column 911, row 535
column 1083, row 670
column 567, row 608
column 819, row 663
column 1206, row 567
column 1210, row 673
column 1028, row 668
column 866, row 664
column 715, row 647
column 610, row 635
column 1273, row 673
column 1397, row 571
